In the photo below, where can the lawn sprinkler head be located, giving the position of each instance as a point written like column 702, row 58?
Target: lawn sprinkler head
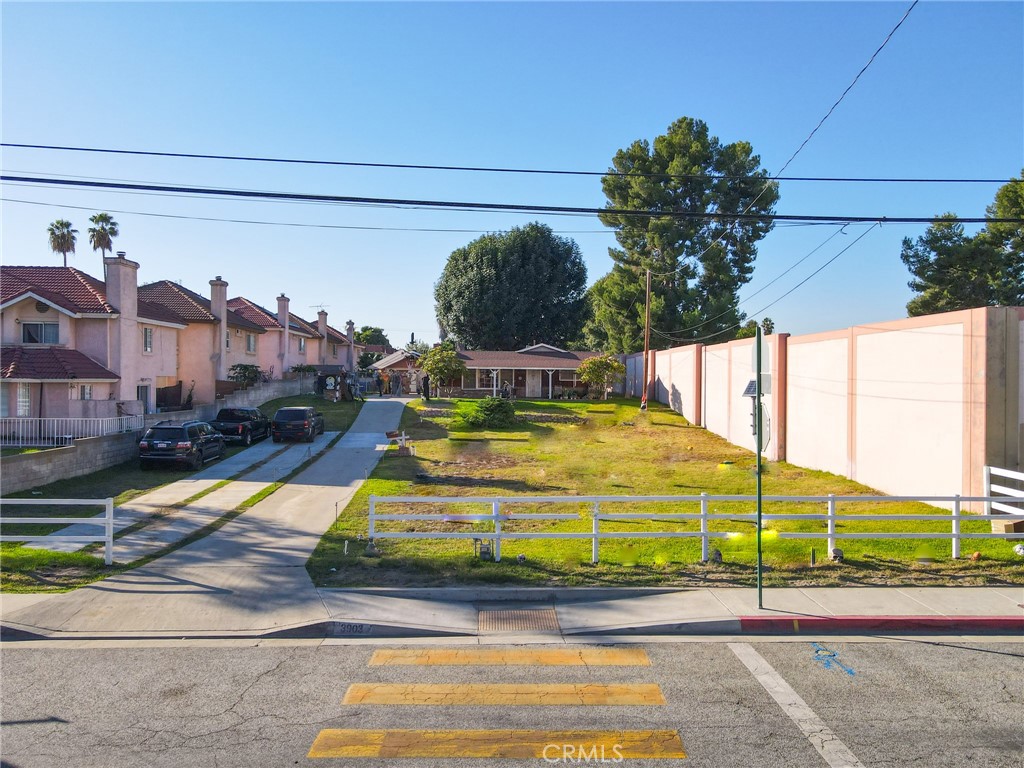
column 836, row 555
column 520, row 559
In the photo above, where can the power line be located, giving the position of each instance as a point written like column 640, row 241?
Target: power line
column 281, row 223
column 850, row 86
column 776, row 301
column 486, row 169
column 794, row 265
column 478, row 206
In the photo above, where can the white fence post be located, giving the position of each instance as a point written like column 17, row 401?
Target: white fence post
column 704, row 527
column 108, row 531
column 596, row 528
column 373, row 509
column 831, row 523
column 496, row 513
column 987, row 488
column 956, row 527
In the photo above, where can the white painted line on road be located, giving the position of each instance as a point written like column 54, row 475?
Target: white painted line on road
column 828, row 745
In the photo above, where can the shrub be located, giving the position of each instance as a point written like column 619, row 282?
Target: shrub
column 491, row 413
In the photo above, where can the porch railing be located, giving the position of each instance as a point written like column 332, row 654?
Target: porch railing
column 29, row 433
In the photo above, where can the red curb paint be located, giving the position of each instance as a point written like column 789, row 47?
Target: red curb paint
column 811, row 624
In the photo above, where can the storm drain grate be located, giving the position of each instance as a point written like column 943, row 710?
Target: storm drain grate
column 518, row 620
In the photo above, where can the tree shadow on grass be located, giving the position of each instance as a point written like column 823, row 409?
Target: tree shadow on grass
column 465, row 481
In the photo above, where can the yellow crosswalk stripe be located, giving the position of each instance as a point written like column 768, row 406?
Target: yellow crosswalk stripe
column 507, row 657
column 556, row 746
column 506, row 694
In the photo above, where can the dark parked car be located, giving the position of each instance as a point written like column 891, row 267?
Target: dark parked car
column 242, row 425
column 297, row 422
column 192, row 443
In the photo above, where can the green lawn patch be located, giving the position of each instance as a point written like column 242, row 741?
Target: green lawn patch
column 610, row 448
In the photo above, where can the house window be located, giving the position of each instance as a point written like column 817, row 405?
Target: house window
column 85, row 392
column 147, row 339
column 484, row 379
column 24, row 400
column 302, row 345
column 250, row 342
column 4, row 404
column 334, row 350
column 227, row 340
column 39, row 333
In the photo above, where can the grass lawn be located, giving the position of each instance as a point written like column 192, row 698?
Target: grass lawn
column 610, row 448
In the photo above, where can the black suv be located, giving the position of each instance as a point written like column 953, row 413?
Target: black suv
column 191, row 443
column 297, row 422
column 241, row 424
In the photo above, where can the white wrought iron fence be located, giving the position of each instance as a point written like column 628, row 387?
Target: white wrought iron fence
column 28, row 432
column 1004, row 498
column 497, row 518
column 105, row 523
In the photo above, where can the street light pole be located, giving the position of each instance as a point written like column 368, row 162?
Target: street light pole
column 757, row 455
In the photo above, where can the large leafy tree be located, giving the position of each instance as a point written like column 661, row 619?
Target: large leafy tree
column 62, row 238
column 698, row 262
column 952, row 270
column 443, row 365
column 508, row 290
column 371, row 334
column 102, row 232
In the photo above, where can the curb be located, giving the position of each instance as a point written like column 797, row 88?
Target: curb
column 778, row 625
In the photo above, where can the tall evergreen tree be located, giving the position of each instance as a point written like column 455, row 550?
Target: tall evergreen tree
column 698, row 263
column 952, row 270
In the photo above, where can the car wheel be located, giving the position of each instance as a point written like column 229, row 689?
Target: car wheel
column 247, row 440
column 197, row 460
column 311, row 435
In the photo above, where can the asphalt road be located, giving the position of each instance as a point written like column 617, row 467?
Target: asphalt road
column 897, row 703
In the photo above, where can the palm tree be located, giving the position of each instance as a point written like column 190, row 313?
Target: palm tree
column 102, row 233
column 62, row 238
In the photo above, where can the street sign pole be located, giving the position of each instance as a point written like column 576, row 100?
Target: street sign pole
column 757, row 453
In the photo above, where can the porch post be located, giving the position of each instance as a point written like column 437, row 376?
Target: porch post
column 551, row 385
column 494, row 381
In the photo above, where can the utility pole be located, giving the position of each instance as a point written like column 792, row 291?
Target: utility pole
column 647, row 343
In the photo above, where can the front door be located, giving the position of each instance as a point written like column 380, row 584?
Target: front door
column 142, row 393
column 533, row 384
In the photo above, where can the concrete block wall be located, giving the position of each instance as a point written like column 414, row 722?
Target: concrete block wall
column 85, row 455
column 252, row 397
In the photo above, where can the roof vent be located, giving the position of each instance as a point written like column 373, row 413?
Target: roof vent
column 120, row 254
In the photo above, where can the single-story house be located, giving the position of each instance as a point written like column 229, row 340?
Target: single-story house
column 541, row 370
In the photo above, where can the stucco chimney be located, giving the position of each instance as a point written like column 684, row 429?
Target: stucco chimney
column 126, row 339
column 350, row 334
column 321, row 326
column 219, row 309
column 282, row 318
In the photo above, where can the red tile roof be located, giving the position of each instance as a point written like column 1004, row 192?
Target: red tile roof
column 188, row 305
column 254, row 313
column 50, row 364
column 301, row 326
column 66, row 287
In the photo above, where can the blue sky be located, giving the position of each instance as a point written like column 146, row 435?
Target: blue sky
column 535, row 85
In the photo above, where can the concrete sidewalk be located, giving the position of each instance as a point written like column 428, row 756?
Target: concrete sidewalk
column 247, row 578
column 173, row 493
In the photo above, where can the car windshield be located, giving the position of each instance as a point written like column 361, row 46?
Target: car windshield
column 164, row 433
column 290, row 416
column 233, row 414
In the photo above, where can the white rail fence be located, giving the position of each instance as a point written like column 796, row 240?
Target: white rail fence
column 105, row 523
column 1003, row 497
column 497, row 518
column 28, row 433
